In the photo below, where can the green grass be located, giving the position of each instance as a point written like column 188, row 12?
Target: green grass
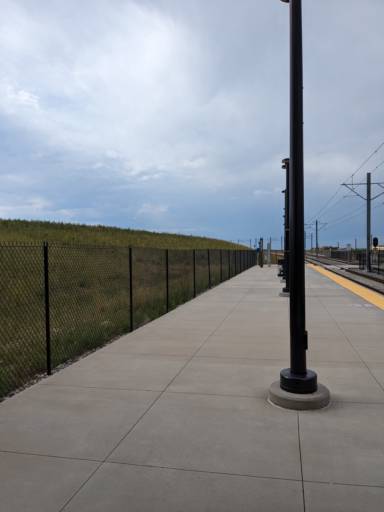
column 36, row 231
column 89, row 290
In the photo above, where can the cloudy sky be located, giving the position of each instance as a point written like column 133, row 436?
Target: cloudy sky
column 172, row 115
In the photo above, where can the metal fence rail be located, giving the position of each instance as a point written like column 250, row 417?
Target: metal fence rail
column 377, row 261
column 60, row 301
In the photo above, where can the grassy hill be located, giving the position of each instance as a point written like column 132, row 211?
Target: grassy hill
column 37, row 231
column 98, row 288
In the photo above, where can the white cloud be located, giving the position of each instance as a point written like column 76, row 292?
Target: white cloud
column 152, row 210
column 13, row 99
column 113, row 102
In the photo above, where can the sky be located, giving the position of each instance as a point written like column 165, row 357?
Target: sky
column 173, row 115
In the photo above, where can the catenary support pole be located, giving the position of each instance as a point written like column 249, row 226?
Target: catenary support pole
column 317, row 238
column 368, row 249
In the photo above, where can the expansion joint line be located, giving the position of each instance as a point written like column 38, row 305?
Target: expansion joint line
column 151, row 405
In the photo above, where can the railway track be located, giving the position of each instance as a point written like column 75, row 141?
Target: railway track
column 349, row 271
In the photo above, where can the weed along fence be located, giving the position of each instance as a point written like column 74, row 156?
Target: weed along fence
column 60, row 301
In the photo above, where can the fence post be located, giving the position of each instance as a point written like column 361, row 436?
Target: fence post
column 194, row 272
column 47, row 311
column 229, row 264
column 167, row 278
column 221, row 265
column 130, row 290
column 209, row 268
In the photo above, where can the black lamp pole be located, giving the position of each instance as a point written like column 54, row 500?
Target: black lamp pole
column 297, row 378
column 285, row 166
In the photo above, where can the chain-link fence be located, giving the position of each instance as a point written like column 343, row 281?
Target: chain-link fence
column 377, row 261
column 60, row 301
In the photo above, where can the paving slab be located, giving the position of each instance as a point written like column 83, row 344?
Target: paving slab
column 120, row 371
column 377, row 370
column 164, row 333
column 370, row 351
column 234, row 435
column 70, row 421
column 350, row 382
column 357, row 332
column 343, row 444
column 117, row 487
column 241, row 377
column 182, row 347
column 35, row 484
column 342, row 498
column 246, row 348
column 331, row 350
column 253, row 328
column 173, row 416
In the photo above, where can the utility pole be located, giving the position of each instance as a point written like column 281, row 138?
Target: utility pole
column 317, row 238
column 368, row 250
column 368, row 198
column 318, row 226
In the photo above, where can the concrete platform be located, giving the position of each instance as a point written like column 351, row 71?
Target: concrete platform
column 175, row 415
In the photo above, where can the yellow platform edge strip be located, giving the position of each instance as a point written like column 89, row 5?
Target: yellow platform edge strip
column 365, row 293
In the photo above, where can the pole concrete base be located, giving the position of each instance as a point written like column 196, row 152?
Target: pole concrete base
column 284, row 294
column 297, row 401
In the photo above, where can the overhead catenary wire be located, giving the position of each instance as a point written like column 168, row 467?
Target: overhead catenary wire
column 344, row 217
column 350, row 215
column 367, row 159
column 350, row 176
